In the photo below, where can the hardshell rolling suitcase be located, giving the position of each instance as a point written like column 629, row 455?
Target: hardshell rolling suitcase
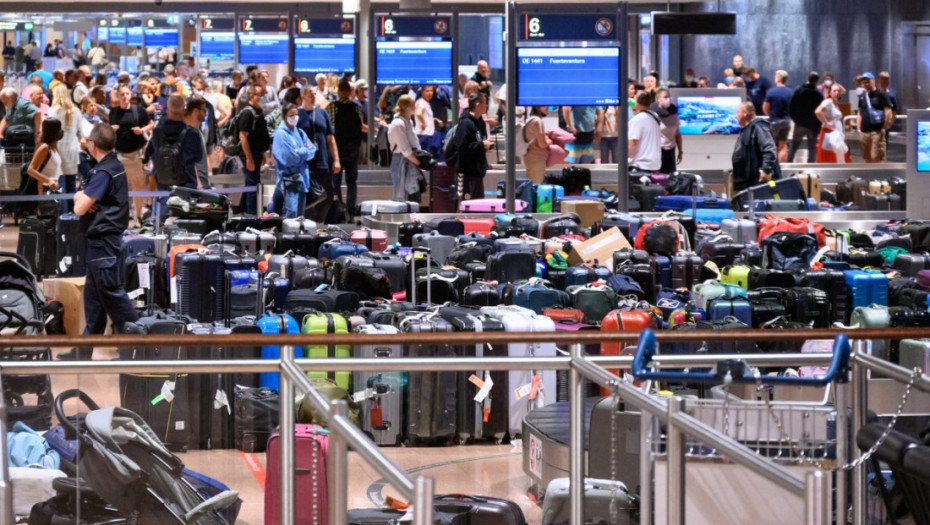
column 440, row 246
column 383, row 407
column 36, row 243
column 199, row 283
column 276, row 324
column 70, row 246
column 327, row 323
column 432, row 397
column 866, row 287
column 605, row 501
column 546, row 196
column 490, row 206
column 465, row 509
column 381, row 206
column 528, row 389
column 630, row 321
column 374, row 240
column 740, row 230
column 913, row 353
column 686, row 269
column 311, row 446
column 480, row 226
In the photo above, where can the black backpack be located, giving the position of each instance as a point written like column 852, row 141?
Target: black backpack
column 348, row 124
column 168, row 165
column 450, row 147
column 229, row 142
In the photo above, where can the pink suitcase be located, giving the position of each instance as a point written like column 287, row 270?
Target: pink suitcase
column 311, row 443
column 490, row 205
column 374, row 240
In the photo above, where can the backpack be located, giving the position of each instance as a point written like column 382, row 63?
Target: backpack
column 657, row 237
column 520, row 142
column 168, row 165
column 348, row 124
column 230, row 143
column 450, row 147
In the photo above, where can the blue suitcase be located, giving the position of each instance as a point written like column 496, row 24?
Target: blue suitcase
column 686, row 202
column 584, row 274
column 537, row 297
column 330, row 250
column 866, row 288
column 739, row 308
column 782, row 189
column 276, row 324
column 523, row 191
column 662, row 266
column 712, row 215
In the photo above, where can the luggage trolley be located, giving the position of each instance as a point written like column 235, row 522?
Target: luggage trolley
column 798, row 436
column 13, row 160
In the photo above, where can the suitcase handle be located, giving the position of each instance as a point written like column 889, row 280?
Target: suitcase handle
column 645, row 350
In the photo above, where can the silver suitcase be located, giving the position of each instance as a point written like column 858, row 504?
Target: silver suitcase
column 626, row 448
column 253, row 241
column 598, row 494
column 440, row 246
column 298, row 225
column 741, row 230
column 184, row 238
column 915, row 353
column 380, row 391
column 376, row 207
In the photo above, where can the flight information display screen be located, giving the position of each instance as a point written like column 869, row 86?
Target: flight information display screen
column 923, row 146
column 160, row 37
column 118, row 35
column 324, row 55
column 548, row 76
column 414, row 62
column 134, row 36
column 218, row 45
column 263, row 48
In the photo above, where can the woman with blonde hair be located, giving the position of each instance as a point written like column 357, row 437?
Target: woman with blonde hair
column 403, row 142
column 69, row 145
column 831, row 144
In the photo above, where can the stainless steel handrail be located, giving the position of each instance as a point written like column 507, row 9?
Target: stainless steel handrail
column 7, row 515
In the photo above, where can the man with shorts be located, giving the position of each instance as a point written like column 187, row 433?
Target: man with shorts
column 873, row 119
column 131, row 122
column 776, row 104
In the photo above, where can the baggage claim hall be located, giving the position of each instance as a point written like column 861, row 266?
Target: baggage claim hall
column 473, row 262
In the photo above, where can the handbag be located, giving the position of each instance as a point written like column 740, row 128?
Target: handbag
column 875, row 117
column 19, row 135
column 316, row 193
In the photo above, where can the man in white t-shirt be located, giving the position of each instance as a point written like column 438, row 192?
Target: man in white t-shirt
column 645, row 135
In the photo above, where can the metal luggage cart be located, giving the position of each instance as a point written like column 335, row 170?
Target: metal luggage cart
column 12, row 160
column 799, row 437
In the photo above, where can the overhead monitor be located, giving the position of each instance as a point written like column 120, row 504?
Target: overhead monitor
column 324, row 55
column 263, row 48
column 922, row 145
column 161, row 37
column 134, row 36
column 218, row 45
column 549, row 76
column 414, row 63
column 708, row 111
column 413, row 50
column 103, row 34
column 118, row 35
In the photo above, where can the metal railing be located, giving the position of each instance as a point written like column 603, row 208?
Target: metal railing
column 344, row 434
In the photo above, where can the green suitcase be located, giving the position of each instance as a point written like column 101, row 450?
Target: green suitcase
column 737, row 274
column 327, row 323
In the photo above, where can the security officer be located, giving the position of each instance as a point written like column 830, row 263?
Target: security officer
column 103, row 204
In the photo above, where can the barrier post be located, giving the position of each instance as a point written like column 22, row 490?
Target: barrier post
column 676, row 464
column 423, row 502
column 338, row 467
column 7, row 516
column 860, row 404
column 576, row 442
column 646, row 422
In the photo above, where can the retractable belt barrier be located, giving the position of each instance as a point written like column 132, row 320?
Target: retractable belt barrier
column 70, row 196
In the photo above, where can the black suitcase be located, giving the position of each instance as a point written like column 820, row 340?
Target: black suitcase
column 462, row 509
column 780, row 205
column 407, row 230
column 765, row 311
column 446, row 284
column 394, row 267
column 562, row 225
column 200, row 281
column 37, row 245
column 727, row 347
column 241, row 223
column 911, row 263
column 146, row 268
column 644, row 277
column 481, row 293
column 477, row 238
column 628, row 254
column 510, row 266
column 649, row 194
column 765, row 278
column 920, row 235
column 722, row 252
column 833, row 282
column 70, row 244
column 686, row 270
column 432, row 397
column 489, row 418
column 477, row 270
column 751, row 255
column 574, row 179
column 300, row 243
column 807, row 305
column 446, row 226
column 198, row 226
column 172, row 420
column 913, row 297
column 255, row 418
column 332, row 301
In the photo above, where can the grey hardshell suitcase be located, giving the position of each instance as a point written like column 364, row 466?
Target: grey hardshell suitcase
column 255, row 241
column 382, row 407
column 598, row 496
column 911, row 263
column 741, row 230
column 375, row 207
column 431, row 396
column 623, row 452
column 298, row 225
column 440, row 245
column 914, row 353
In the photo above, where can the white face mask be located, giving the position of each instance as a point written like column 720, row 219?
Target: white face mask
column 689, row 78
column 198, row 92
column 292, row 121
column 828, row 83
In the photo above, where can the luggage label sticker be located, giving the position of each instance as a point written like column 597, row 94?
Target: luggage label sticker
column 167, row 393
column 143, row 270
column 221, row 400
column 484, row 387
column 529, row 390
column 362, row 395
column 65, row 263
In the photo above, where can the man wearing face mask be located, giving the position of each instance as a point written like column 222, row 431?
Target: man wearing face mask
column 689, row 81
column 103, row 205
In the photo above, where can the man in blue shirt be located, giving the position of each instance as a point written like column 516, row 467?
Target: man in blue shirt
column 103, row 205
column 46, row 76
column 776, row 104
column 319, row 128
column 757, row 87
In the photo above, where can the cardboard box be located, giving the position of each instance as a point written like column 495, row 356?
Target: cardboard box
column 70, row 291
column 590, row 211
column 599, row 248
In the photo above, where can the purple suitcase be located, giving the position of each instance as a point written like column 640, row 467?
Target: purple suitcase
column 490, row 205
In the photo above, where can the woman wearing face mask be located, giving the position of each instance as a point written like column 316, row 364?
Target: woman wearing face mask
column 292, row 150
column 831, row 144
column 671, row 135
column 824, row 87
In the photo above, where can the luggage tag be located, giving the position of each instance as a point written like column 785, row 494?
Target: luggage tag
column 144, row 278
column 220, row 400
column 529, row 390
column 167, row 393
column 484, row 387
column 174, row 290
column 376, row 415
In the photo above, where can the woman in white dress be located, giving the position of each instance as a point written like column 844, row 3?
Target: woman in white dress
column 831, row 144
column 69, row 145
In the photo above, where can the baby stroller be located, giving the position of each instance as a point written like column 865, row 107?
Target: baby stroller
column 22, row 312
column 120, row 459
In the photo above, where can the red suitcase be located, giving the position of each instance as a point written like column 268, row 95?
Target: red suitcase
column 311, row 443
column 482, row 226
column 374, row 240
column 631, row 321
